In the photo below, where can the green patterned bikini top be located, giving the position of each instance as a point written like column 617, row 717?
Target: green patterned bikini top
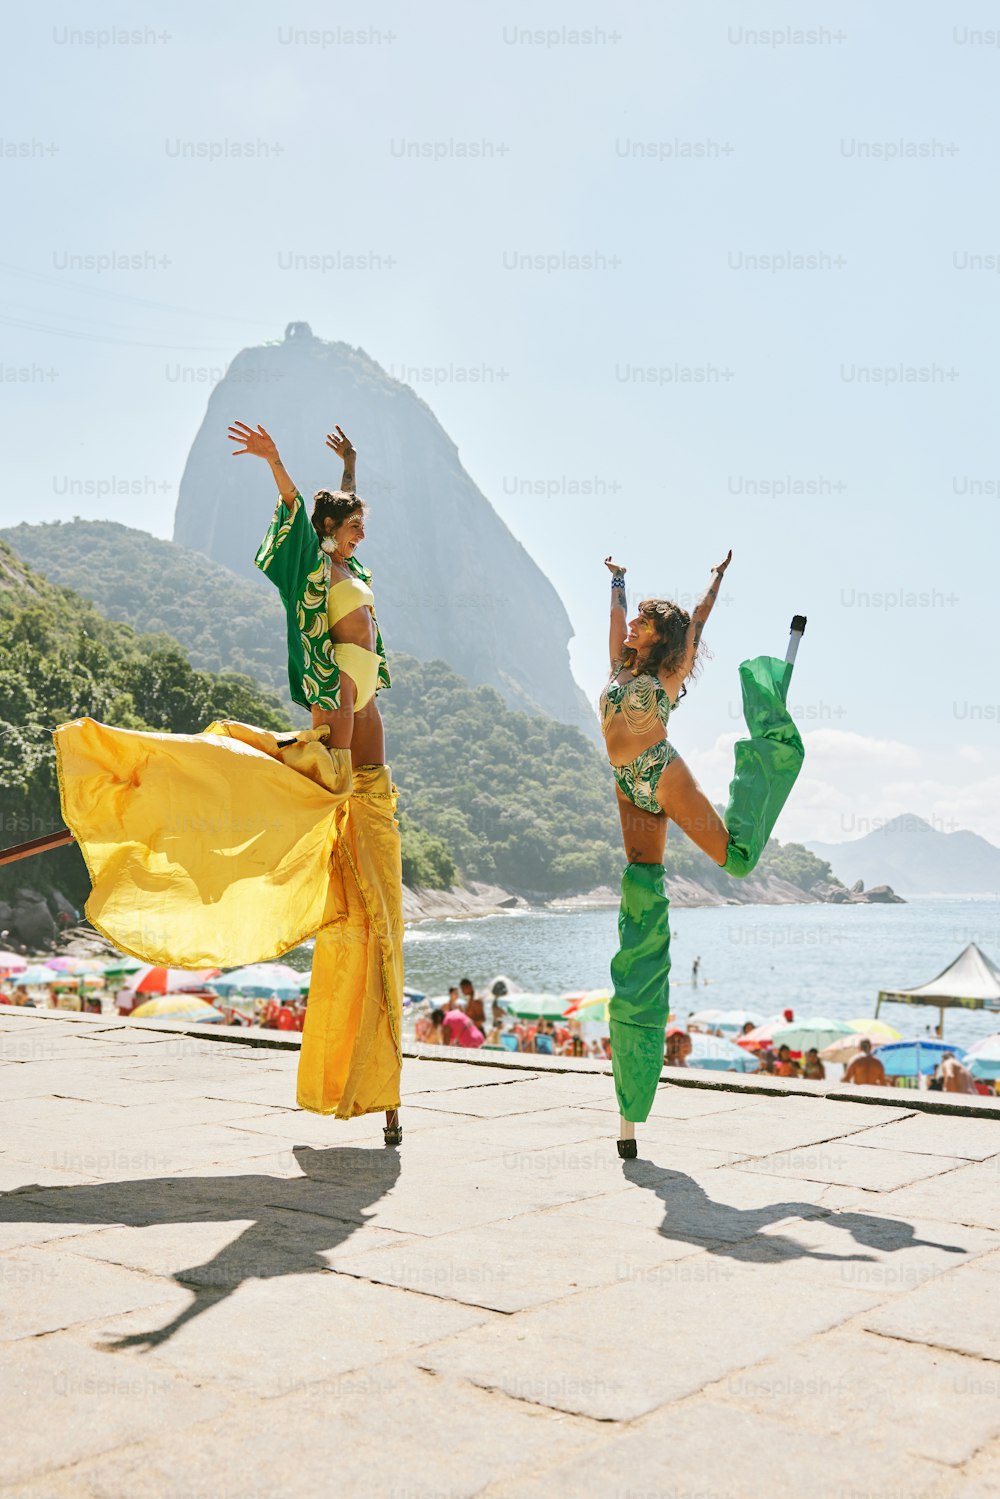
column 641, row 701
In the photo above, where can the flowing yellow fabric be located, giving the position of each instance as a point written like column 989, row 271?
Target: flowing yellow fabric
column 231, row 847
column 350, row 1059
column 204, row 850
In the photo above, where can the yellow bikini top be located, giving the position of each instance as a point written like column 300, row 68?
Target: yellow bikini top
column 347, row 594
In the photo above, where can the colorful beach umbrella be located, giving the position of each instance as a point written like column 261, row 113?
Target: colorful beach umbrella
column 915, row 1058
column 259, row 980
column 153, row 979
column 873, row 1027
column 719, row 1055
column 803, row 1035
column 38, row 974
column 724, row 1020
column 983, row 1058
column 122, row 963
column 178, row 1007
column 588, row 1004
column 845, row 1047
column 12, row 962
column 535, row 1006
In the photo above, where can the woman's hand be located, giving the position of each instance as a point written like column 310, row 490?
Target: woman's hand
column 724, row 563
column 613, row 568
column 260, row 444
column 340, row 443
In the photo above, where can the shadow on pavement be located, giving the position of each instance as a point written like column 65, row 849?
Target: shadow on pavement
column 692, row 1217
column 330, row 1199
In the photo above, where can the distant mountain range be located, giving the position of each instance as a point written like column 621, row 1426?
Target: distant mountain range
column 916, row 859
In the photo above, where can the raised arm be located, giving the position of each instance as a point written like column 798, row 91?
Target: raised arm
column 618, row 628
column 704, row 607
column 341, row 445
column 261, row 445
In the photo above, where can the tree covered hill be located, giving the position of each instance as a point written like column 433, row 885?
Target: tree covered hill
column 60, row 659
column 223, row 622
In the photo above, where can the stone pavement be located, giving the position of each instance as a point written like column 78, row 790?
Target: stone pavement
column 207, row 1292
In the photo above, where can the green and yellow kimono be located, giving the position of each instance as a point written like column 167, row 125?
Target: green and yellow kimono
column 291, row 556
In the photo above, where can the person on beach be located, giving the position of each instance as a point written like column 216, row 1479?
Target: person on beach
column 336, row 665
column 955, row 1076
column 458, row 1029
column 472, row 1004
column 653, row 656
column 812, row 1067
column 864, row 1069
column 786, row 1066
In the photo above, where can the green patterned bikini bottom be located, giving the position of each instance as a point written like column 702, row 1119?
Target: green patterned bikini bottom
column 638, row 779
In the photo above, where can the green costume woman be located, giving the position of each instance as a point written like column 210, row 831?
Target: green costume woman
column 652, row 656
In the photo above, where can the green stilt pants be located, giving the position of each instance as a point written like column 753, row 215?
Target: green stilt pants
column 767, row 765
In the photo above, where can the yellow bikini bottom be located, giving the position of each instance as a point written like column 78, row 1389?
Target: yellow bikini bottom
column 362, row 668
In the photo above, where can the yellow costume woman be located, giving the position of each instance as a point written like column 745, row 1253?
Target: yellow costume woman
column 235, row 845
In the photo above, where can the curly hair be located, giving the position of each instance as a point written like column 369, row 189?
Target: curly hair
column 671, row 623
column 337, row 504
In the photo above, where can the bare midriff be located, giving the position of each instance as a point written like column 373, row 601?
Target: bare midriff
column 623, row 745
column 355, row 628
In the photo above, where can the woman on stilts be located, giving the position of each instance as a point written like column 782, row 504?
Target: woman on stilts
column 653, row 656
column 336, row 665
column 237, row 844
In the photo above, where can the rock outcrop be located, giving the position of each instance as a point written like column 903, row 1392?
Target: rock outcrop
column 839, row 895
column 451, row 581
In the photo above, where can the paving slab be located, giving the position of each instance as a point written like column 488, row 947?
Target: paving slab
column 955, row 1311
column 206, row 1252
column 64, row 1412
column 396, row 1433
column 573, row 1355
column 269, row 1338
column 16, row 1175
column 526, row 1261
column 873, row 1252
column 48, row 1291
column 969, row 1194
column 843, row 1162
column 710, row 1450
column 742, row 1134
column 973, row 1139
column 863, row 1387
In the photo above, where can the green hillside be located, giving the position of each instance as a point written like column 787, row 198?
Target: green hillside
column 61, row 659
column 224, row 623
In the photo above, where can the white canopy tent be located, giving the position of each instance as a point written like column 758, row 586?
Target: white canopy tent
column 972, row 982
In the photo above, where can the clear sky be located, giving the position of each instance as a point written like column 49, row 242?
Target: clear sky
column 675, row 252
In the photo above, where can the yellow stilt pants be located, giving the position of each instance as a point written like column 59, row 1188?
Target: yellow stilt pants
column 230, row 847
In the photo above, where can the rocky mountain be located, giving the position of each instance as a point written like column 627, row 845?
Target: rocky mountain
column 916, row 859
column 451, row 582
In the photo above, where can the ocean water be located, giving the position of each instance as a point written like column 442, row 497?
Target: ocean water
column 817, row 960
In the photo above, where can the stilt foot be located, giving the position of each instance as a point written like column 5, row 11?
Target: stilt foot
column 626, row 1139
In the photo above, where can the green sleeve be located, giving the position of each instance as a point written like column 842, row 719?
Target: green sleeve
column 291, row 556
column 290, row 550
